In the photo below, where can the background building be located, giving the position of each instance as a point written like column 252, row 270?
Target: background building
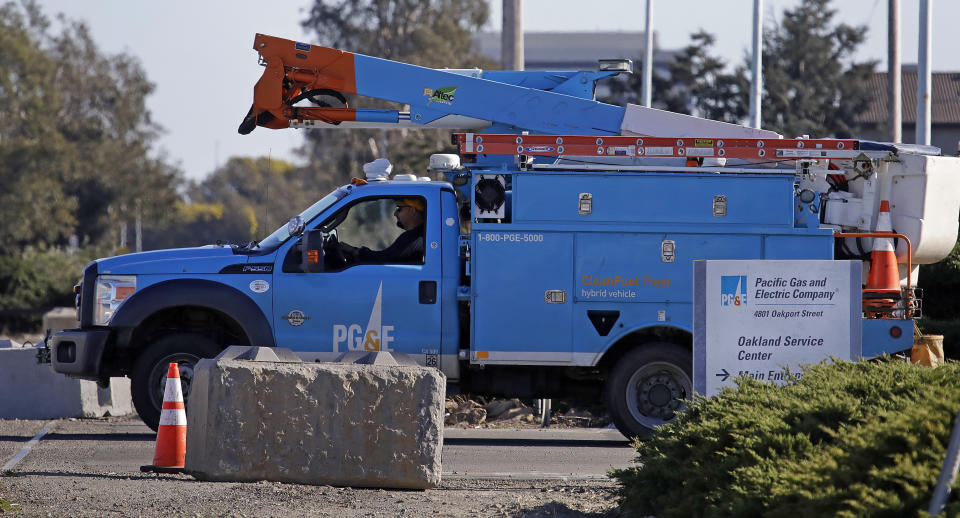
column 944, row 109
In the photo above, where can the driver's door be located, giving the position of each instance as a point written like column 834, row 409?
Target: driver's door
column 363, row 307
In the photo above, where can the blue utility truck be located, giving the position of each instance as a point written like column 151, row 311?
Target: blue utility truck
column 555, row 258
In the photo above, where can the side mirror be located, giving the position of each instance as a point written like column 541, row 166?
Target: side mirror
column 295, row 226
column 311, row 246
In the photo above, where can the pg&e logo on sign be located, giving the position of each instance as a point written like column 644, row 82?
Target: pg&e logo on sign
column 733, row 290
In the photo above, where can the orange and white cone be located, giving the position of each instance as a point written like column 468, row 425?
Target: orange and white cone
column 171, row 447
column 884, row 277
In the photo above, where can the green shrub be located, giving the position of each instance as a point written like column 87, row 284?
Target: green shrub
column 35, row 281
column 847, row 439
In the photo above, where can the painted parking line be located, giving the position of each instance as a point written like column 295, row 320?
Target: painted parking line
column 531, row 475
column 26, row 449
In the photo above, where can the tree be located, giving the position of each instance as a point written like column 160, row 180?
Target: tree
column 435, row 33
column 427, row 33
column 243, row 200
column 76, row 136
column 34, row 206
column 75, row 156
column 700, row 86
column 810, row 85
column 697, row 84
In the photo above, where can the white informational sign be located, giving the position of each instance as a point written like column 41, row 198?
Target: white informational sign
column 756, row 318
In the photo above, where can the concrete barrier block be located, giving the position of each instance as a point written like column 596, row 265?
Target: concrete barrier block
column 316, row 423
column 58, row 319
column 258, row 354
column 375, row 358
column 29, row 390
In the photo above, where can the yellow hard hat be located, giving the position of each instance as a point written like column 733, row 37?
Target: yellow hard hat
column 416, row 203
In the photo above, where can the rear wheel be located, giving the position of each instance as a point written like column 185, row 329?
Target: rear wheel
column 647, row 387
column 149, row 376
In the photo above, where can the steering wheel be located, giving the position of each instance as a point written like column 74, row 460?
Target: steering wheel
column 332, row 252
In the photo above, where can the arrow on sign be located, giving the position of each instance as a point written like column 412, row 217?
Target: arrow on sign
column 725, row 374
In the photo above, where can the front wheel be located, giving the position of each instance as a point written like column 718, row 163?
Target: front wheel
column 149, row 375
column 647, row 387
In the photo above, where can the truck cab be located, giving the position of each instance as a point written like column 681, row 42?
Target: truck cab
column 141, row 311
column 404, row 306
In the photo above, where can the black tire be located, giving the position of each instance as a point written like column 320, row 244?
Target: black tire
column 647, row 386
column 149, row 373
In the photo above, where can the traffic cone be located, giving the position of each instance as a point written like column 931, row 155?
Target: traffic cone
column 171, row 447
column 883, row 282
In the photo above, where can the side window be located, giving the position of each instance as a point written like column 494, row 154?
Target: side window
column 370, row 223
column 378, row 231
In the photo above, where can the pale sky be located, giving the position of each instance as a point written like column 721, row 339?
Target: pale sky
column 199, row 53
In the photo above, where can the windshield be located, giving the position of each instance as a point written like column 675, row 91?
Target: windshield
column 281, row 234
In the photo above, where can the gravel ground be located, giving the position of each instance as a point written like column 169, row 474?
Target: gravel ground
column 69, row 495
column 75, row 473
column 14, row 434
column 62, row 489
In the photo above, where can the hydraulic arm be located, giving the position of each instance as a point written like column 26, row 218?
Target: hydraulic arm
column 542, row 102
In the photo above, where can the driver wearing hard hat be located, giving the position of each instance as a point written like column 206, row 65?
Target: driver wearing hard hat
column 406, row 249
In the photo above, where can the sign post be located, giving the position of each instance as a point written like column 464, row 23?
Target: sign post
column 757, row 318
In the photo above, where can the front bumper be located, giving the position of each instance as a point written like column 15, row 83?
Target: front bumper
column 78, row 352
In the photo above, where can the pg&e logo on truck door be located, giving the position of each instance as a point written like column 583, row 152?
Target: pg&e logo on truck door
column 733, row 290
column 376, row 337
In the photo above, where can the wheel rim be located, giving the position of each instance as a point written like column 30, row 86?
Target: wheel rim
column 656, row 392
column 158, row 376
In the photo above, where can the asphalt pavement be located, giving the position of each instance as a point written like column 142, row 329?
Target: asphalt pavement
column 123, row 445
column 91, row 467
column 544, row 453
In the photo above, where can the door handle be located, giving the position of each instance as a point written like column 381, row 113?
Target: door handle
column 428, row 292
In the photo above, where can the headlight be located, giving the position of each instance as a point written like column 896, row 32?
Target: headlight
column 112, row 290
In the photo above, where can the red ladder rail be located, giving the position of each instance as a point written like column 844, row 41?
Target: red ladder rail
column 659, row 147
